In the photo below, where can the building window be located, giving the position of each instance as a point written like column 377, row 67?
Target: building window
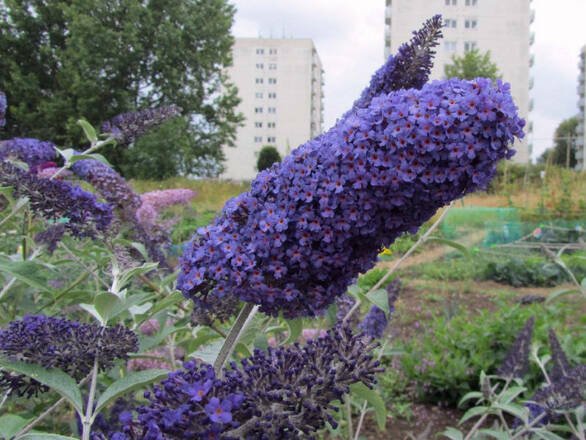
column 259, row 80
column 449, row 23
column 272, row 110
column 469, row 45
column 271, row 124
column 258, row 124
column 258, row 139
column 272, row 51
column 272, row 66
column 272, row 80
column 258, row 109
column 258, row 95
column 470, row 23
column 451, row 2
column 272, row 95
column 450, row 46
column 260, row 51
column 471, row 2
column 272, row 139
column 260, row 66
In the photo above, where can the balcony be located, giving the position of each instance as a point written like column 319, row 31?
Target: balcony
column 531, row 60
column 532, row 39
column 532, row 16
column 531, row 82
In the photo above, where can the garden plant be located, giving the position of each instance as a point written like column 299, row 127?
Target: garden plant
column 106, row 336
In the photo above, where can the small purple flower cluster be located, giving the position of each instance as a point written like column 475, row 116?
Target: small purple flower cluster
column 516, row 363
column 285, row 393
column 127, row 127
column 53, row 342
column 2, row 109
column 311, row 224
column 54, row 200
column 376, row 321
column 31, row 151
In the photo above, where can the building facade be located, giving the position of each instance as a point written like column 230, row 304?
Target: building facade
column 499, row 26
column 580, row 139
column 280, row 82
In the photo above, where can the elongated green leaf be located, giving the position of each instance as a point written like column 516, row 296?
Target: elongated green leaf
column 295, row 327
column 546, row 435
column 380, row 298
column 92, row 156
column 473, row 412
column 463, row 249
column 354, row 290
column 559, row 293
column 127, row 384
column 468, row 396
column 26, row 271
column 374, row 399
column 91, row 309
column 89, row 130
column 11, row 424
column 510, row 394
column 44, row 436
column 105, row 303
column 209, row 352
column 499, row 435
column 516, row 410
column 167, row 302
column 453, row 434
column 147, row 343
column 53, row 378
column 129, row 274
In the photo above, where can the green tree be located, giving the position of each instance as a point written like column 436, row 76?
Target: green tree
column 472, row 65
column 563, row 152
column 267, row 156
column 62, row 60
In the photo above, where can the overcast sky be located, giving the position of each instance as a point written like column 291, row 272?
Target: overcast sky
column 348, row 36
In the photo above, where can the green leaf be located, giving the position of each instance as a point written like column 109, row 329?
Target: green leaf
column 355, row 291
column 90, row 132
column 453, row 433
column 91, row 309
column 380, row 298
column 559, row 293
column 468, row 396
column 499, row 435
column 105, row 303
column 461, row 248
column 295, row 327
column 473, row 412
column 127, row 384
column 127, row 275
column 147, row 342
column 26, row 271
column 242, row 349
column 167, row 302
column 509, row 395
column 546, row 435
column 53, row 378
column 11, row 424
column 209, row 352
column 92, row 156
column 67, row 153
column 518, row 411
column 374, row 399
column 44, row 436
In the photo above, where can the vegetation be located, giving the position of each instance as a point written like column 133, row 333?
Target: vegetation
column 563, row 152
column 155, row 53
column 267, row 156
column 472, row 65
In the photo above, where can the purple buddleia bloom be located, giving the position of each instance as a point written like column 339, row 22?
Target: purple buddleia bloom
column 376, row 321
column 51, row 237
column 82, row 214
column 410, row 68
column 516, row 363
column 109, row 421
column 127, row 127
column 70, row 346
column 284, row 393
column 2, row 109
column 561, row 365
column 362, row 173
column 31, row 151
column 215, row 308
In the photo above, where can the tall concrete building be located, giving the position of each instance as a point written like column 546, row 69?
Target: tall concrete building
column 280, row 82
column 580, row 140
column 500, row 26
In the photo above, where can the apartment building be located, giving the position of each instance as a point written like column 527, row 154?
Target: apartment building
column 280, row 82
column 580, row 142
column 499, row 26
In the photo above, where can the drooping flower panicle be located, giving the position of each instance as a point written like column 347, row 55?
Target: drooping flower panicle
column 82, row 214
column 310, row 225
column 127, row 127
column 60, row 343
column 285, row 393
column 2, row 109
column 516, row 363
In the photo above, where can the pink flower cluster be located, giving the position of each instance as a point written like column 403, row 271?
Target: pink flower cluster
column 154, row 202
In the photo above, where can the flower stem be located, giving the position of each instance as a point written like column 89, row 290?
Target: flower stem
column 88, row 418
column 244, row 317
